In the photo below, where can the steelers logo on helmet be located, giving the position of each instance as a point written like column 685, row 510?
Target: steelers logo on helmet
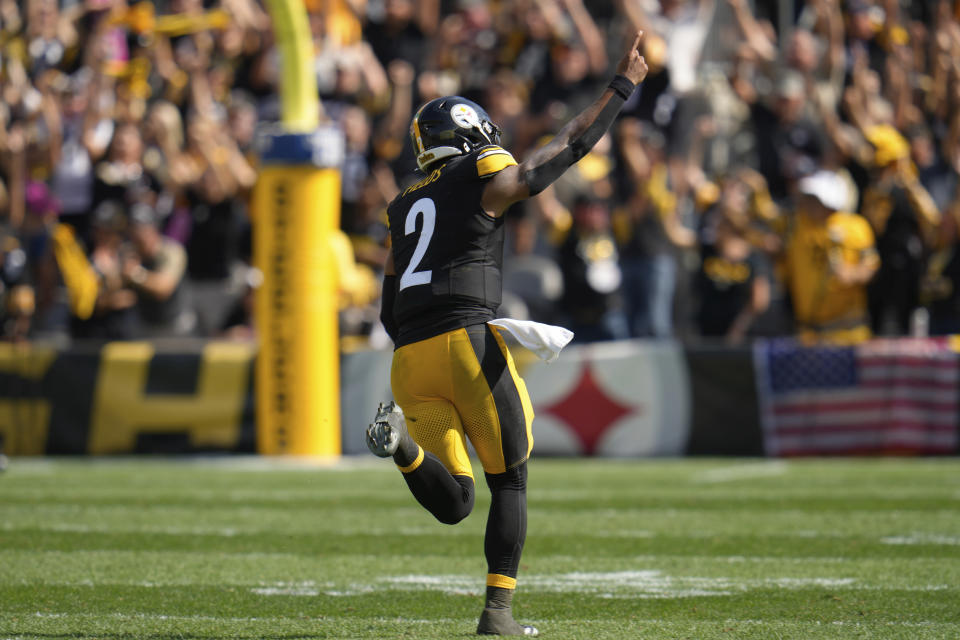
column 465, row 116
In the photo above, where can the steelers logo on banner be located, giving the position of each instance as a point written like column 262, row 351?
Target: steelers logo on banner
column 465, row 116
column 612, row 399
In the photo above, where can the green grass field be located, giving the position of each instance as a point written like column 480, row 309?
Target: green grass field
column 251, row 548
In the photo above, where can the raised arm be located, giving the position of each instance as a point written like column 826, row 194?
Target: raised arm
column 589, row 34
column 753, row 33
column 574, row 140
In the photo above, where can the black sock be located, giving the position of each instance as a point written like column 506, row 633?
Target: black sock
column 507, row 522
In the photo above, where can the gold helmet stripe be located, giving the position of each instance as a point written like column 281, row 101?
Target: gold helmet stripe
column 415, row 129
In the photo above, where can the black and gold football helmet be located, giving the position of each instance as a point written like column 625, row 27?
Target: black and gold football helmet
column 450, row 126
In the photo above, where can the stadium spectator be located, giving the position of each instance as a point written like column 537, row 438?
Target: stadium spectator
column 155, row 270
column 936, row 175
column 216, row 199
column 356, row 162
column 120, row 174
column 38, row 291
column 733, row 284
column 508, row 97
column 648, row 231
column 578, row 61
column 940, row 286
column 904, row 219
column 114, row 316
column 240, row 322
column 863, row 34
column 402, row 32
column 169, row 169
column 592, row 300
column 86, row 135
column 683, row 25
column 17, row 299
column 829, row 257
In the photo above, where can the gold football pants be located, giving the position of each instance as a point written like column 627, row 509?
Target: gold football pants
column 464, row 384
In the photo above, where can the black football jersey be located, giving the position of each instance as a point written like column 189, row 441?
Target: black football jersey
column 447, row 251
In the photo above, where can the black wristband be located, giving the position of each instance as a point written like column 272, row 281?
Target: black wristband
column 622, row 86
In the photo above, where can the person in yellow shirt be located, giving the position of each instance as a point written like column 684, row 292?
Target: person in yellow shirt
column 829, row 258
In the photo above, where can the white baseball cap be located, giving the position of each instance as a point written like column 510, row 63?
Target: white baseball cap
column 827, row 187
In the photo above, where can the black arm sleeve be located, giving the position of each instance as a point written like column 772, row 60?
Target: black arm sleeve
column 540, row 177
column 387, row 298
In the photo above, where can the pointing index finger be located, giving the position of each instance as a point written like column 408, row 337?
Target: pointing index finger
column 638, row 41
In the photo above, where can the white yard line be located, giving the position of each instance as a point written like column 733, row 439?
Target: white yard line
column 232, row 462
column 199, row 618
column 223, row 532
column 187, row 498
column 741, row 472
column 382, row 619
column 647, row 584
column 922, row 538
column 626, row 534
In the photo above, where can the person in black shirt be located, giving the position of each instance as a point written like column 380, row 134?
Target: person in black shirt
column 155, row 270
column 592, row 280
column 940, row 285
column 397, row 36
column 452, row 373
column 733, row 283
column 905, row 220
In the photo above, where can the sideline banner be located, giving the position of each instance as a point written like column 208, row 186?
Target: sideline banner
column 616, row 399
column 606, row 399
column 726, row 417
column 366, row 382
column 623, row 399
column 126, row 397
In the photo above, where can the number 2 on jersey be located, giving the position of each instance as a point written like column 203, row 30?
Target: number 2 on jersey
column 426, row 208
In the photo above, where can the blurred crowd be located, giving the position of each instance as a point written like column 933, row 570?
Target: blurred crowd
column 788, row 167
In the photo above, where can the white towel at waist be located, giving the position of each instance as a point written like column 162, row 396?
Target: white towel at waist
column 545, row 340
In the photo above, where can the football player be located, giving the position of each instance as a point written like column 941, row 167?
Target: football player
column 452, row 376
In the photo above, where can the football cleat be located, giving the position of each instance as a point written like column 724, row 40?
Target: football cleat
column 387, row 430
column 500, row 622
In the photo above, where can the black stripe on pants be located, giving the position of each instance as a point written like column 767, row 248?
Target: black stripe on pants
column 506, row 396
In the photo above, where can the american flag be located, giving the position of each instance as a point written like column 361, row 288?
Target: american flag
column 881, row 397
